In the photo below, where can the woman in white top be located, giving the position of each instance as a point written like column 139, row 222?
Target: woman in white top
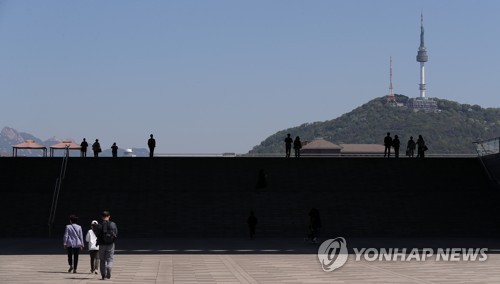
column 73, row 242
column 91, row 238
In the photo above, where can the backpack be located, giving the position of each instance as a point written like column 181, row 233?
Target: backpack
column 108, row 235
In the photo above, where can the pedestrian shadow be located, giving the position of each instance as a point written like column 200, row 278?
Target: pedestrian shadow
column 72, row 278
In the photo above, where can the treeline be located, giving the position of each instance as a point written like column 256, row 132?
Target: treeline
column 450, row 130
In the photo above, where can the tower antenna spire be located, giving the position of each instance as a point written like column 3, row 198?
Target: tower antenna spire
column 422, row 45
column 391, row 90
column 391, row 99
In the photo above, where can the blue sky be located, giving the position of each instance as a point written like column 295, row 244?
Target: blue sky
column 221, row 76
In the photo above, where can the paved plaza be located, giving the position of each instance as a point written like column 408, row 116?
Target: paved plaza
column 237, row 261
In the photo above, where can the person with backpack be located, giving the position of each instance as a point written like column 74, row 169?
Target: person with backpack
column 421, row 148
column 107, row 233
column 410, row 147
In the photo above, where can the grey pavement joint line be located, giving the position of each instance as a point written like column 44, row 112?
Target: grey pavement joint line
column 165, row 270
column 380, row 269
column 237, row 271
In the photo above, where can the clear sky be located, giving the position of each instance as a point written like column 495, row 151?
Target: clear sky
column 221, row 76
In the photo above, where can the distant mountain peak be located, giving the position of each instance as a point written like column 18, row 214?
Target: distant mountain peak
column 56, row 140
column 10, row 137
column 11, row 134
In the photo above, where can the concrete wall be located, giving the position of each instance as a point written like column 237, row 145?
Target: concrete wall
column 211, row 197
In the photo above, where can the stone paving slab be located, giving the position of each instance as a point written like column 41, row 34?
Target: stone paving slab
column 244, row 268
column 241, row 261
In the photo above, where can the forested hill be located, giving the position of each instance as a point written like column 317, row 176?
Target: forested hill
column 450, row 130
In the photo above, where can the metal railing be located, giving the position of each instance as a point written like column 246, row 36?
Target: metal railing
column 302, row 155
column 487, row 147
column 358, row 155
column 57, row 190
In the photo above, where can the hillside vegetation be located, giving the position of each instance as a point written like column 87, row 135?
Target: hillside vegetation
column 451, row 130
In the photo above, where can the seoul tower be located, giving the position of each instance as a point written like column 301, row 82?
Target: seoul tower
column 422, row 57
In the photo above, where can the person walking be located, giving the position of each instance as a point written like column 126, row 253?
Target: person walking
column 96, row 147
column 91, row 238
column 83, row 150
column 297, row 145
column 395, row 144
column 252, row 223
column 151, row 145
column 114, row 150
column 73, row 242
column 288, row 145
column 387, row 144
column 107, row 233
column 410, row 147
column 421, row 147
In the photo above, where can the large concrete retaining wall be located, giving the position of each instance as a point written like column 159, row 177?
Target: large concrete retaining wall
column 212, row 197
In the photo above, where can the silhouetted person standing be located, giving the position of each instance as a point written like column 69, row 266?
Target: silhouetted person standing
column 387, row 144
column 410, row 147
column 297, row 145
column 314, row 225
column 288, row 145
column 114, row 150
column 421, row 148
column 151, row 145
column 96, row 147
column 83, row 150
column 252, row 223
column 396, row 143
column 107, row 233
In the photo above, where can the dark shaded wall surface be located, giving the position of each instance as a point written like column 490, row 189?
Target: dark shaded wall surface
column 492, row 165
column 212, row 197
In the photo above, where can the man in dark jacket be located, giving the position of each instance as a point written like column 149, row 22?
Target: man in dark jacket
column 151, row 145
column 96, row 147
column 387, row 144
column 410, row 147
column 83, row 150
column 288, row 145
column 106, row 236
column 396, row 144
